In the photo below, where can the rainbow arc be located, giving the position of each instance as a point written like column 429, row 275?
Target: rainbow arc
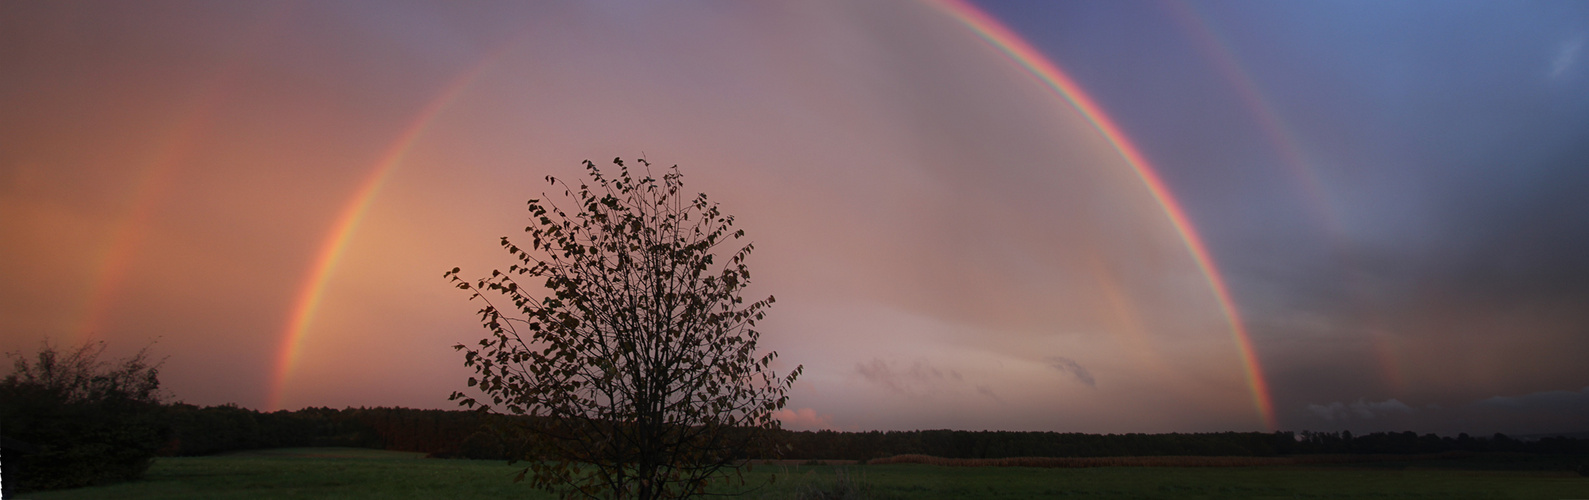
column 1049, row 73
column 312, row 293
column 331, row 252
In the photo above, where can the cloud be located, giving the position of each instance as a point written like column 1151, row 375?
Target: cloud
column 1540, row 401
column 1368, row 410
column 1532, row 413
column 1538, row 412
column 988, row 391
column 1072, row 368
column 804, row 419
column 921, row 378
column 1359, row 409
column 1566, row 56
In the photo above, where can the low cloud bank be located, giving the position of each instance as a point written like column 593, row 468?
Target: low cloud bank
column 804, row 419
column 1359, row 409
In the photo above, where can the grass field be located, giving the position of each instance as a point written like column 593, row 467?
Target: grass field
column 303, row 473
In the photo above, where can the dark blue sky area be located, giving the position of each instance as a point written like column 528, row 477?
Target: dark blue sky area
column 1432, row 193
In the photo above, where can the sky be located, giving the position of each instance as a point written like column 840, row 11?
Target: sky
column 1079, row 216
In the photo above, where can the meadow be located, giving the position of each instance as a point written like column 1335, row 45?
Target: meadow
column 301, row 473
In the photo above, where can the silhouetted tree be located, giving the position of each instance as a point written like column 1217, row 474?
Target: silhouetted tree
column 84, row 421
column 638, row 357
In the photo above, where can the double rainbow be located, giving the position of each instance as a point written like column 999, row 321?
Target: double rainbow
column 989, row 29
column 1024, row 55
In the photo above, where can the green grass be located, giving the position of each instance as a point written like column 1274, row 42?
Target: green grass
column 357, row 473
column 313, row 473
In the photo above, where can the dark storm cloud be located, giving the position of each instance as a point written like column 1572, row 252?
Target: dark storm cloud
column 1447, row 149
column 1452, row 155
column 1533, row 413
column 1553, row 411
column 1463, row 222
column 1560, row 401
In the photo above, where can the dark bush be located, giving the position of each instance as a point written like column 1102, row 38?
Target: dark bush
column 85, row 422
column 482, row 446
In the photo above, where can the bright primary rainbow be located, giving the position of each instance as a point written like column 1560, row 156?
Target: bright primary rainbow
column 1023, row 54
column 331, row 250
column 983, row 25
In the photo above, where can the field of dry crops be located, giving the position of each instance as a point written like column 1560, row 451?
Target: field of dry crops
column 1162, row 461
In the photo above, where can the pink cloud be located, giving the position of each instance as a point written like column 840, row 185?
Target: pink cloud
column 804, row 419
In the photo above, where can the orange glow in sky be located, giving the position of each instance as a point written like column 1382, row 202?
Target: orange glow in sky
column 960, row 230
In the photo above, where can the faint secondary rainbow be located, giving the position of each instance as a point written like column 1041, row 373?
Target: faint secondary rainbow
column 175, row 147
column 1024, row 55
column 1275, row 130
column 154, row 181
column 310, row 295
column 1204, row 32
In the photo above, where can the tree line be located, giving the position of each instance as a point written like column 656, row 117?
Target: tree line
column 468, row 434
column 440, row 433
column 75, row 421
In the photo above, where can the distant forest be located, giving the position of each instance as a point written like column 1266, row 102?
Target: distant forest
column 468, row 434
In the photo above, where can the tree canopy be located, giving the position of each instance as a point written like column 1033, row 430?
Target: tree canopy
column 628, row 341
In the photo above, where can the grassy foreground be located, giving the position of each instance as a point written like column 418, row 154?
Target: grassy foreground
column 357, row 473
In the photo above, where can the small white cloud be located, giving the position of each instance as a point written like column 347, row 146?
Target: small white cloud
column 1566, row 56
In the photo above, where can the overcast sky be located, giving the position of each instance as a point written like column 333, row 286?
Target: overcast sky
column 1393, row 193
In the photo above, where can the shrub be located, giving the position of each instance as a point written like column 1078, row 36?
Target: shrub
column 482, row 446
column 86, row 422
